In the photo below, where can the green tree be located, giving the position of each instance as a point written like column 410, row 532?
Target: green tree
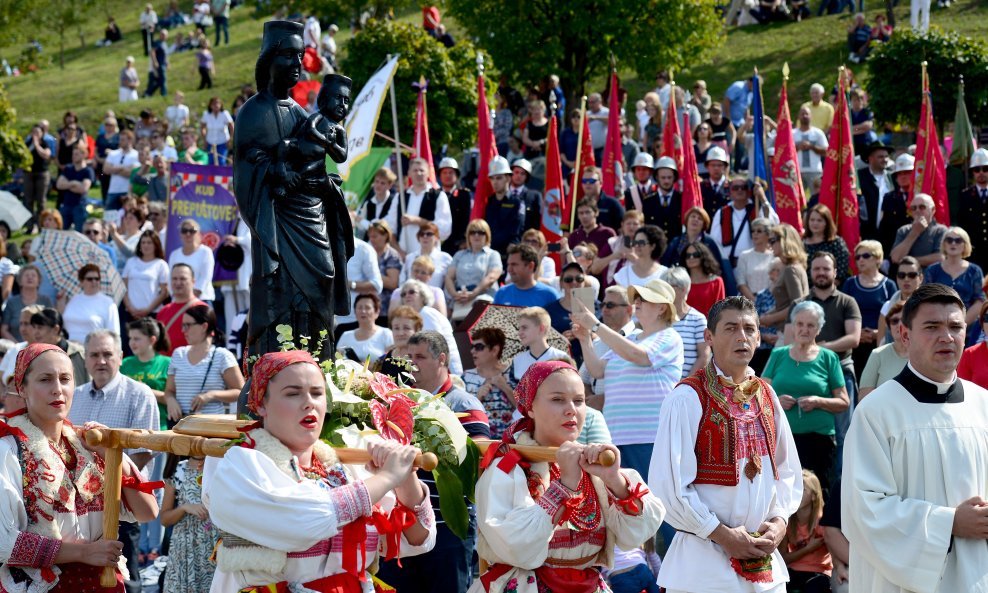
column 575, row 39
column 13, row 152
column 895, row 83
column 452, row 95
column 63, row 18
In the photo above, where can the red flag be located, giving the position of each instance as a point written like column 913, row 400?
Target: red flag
column 689, row 174
column 488, row 150
column 838, row 190
column 554, row 210
column 612, row 147
column 672, row 140
column 786, row 179
column 422, row 148
column 930, row 173
column 587, row 159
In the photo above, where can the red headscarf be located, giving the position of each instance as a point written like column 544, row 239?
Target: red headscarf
column 24, row 359
column 526, row 390
column 270, row 365
column 524, row 396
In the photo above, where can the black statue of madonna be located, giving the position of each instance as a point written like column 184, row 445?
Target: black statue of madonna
column 300, row 226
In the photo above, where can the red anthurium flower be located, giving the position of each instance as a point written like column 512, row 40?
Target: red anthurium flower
column 381, row 385
column 393, row 420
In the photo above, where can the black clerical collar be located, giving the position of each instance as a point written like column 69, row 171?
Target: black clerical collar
column 925, row 391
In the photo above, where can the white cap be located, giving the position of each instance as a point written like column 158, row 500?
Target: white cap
column 979, row 158
column 717, row 153
column 666, row 162
column 498, row 166
column 643, row 159
column 449, row 163
column 906, row 162
column 523, row 164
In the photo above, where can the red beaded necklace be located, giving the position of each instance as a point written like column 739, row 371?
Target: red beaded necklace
column 587, row 515
column 316, row 471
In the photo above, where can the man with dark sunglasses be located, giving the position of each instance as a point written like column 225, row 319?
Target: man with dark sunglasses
column 921, row 238
column 974, row 208
column 94, row 229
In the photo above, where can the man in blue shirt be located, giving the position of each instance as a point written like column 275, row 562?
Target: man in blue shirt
column 524, row 291
column 738, row 99
column 157, row 76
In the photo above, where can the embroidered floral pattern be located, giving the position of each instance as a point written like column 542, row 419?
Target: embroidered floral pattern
column 33, row 550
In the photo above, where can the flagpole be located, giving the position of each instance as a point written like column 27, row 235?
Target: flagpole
column 839, row 199
column 576, row 169
column 401, row 174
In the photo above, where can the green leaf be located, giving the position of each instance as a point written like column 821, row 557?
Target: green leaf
column 468, row 471
column 451, row 502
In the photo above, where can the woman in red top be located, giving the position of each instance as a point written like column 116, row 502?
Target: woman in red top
column 803, row 548
column 974, row 362
column 707, row 285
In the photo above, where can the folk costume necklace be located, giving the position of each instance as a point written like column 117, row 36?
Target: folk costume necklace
column 742, row 394
column 587, row 514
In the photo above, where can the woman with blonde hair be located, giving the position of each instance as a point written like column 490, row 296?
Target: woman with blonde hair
column 870, row 289
column 803, row 548
column 404, row 323
column 474, row 270
column 792, row 284
column 965, row 277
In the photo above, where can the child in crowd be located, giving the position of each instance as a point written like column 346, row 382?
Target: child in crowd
column 803, row 548
column 632, row 572
column 194, row 537
column 533, row 325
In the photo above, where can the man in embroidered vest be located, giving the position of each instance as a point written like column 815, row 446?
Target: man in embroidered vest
column 731, row 226
column 421, row 203
column 725, row 467
column 380, row 204
column 914, row 497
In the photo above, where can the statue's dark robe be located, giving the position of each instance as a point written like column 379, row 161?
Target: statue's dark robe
column 299, row 275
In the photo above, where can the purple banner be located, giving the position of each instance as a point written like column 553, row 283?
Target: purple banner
column 203, row 193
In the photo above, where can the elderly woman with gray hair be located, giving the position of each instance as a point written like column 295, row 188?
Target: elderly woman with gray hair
column 810, row 384
column 696, row 351
column 418, row 295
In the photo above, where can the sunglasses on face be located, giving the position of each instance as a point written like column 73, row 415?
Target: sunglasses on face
column 640, row 243
column 188, row 231
column 578, row 253
column 91, row 232
column 477, row 232
column 910, row 275
column 589, row 181
column 405, row 293
column 953, row 240
column 979, row 169
column 692, row 255
column 863, row 255
column 91, row 279
column 478, row 346
column 577, row 278
column 736, row 187
column 614, row 305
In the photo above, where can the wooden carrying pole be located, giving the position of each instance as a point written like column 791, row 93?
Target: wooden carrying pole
column 539, row 454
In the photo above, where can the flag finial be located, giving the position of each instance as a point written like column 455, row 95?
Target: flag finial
column 480, row 63
column 785, row 71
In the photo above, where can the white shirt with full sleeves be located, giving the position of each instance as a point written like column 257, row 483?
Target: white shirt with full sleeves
column 250, row 496
column 907, row 466
column 516, row 530
column 362, row 267
column 694, row 562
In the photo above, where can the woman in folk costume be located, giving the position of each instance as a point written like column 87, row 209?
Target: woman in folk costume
column 290, row 516
column 549, row 527
column 51, row 487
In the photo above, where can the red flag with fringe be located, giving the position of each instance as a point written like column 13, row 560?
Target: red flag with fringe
column 690, row 176
column 930, row 172
column 786, row 178
column 612, row 148
column 487, row 151
column 838, row 190
column 672, row 140
column 554, row 205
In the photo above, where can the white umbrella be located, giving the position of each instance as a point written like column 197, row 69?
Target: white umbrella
column 12, row 212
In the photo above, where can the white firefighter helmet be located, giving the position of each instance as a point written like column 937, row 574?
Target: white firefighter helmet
column 498, row 166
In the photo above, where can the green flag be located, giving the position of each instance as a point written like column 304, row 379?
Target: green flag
column 963, row 146
column 361, row 175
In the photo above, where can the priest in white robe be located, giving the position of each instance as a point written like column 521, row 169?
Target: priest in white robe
column 726, row 468
column 915, row 478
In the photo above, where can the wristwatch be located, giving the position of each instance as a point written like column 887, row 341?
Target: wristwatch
column 595, row 327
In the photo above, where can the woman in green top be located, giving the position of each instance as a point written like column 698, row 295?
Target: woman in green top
column 810, row 385
column 148, row 340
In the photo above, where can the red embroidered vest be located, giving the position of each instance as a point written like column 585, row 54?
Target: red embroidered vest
column 727, row 222
column 717, row 439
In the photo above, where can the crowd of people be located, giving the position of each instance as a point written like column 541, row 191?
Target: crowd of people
column 719, row 355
